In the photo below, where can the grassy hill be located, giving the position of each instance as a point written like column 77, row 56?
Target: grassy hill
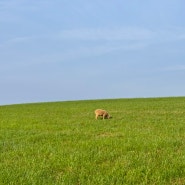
column 62, row 143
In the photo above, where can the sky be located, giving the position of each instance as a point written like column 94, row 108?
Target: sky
column 64, row 50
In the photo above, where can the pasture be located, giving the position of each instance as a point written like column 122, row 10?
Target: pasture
column 61, row 143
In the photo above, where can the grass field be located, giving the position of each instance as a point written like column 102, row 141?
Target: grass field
column 62, row 143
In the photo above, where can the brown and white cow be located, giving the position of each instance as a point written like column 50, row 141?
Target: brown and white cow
column 103, row 113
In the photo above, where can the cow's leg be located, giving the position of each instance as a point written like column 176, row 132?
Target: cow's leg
column 96, row 116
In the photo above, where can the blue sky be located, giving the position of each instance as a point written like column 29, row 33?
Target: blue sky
column 90, row 49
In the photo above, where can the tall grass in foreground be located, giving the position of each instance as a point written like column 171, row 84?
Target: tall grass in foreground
column 62, row 143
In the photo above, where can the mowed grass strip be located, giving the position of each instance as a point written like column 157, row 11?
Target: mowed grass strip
column 62, row 143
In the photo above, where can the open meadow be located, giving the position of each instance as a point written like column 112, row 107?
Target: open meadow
column 61, row 143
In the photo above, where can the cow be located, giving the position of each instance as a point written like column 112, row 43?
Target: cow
column 103, row 113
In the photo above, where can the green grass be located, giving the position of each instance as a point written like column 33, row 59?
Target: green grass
column 62, row 143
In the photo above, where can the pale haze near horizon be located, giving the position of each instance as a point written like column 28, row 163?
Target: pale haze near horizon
column 71, row 50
